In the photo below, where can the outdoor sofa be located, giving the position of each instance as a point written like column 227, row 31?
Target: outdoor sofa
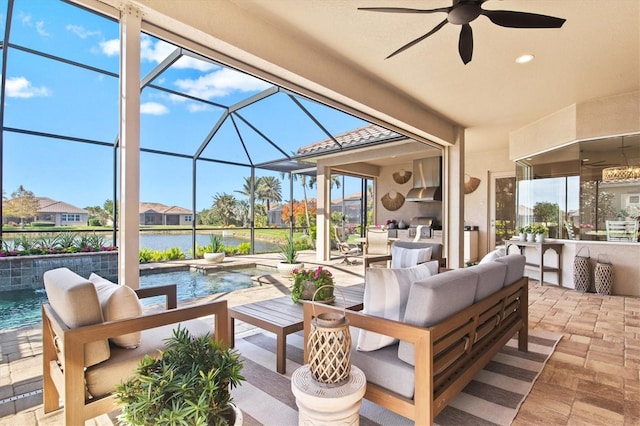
column 422, row 337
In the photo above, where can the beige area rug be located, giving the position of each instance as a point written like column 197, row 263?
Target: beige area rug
column 492, row 398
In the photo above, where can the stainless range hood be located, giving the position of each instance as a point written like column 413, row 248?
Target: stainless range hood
column 426, row 181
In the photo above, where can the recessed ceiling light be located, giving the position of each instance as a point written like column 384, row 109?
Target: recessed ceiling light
column 523, row 59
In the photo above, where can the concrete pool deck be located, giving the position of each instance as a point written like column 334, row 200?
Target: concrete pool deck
column 21, row 348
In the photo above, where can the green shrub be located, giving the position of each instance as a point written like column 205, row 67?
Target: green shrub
column 41, row 224
column 244, row 248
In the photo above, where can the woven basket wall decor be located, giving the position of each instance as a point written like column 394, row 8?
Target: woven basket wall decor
column 329, row 346
column 604, row 275
column 392, row 201
column 401, row 176
column 582, row 271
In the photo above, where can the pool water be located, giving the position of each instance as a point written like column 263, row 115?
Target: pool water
column 22, row 307
column 194, row 284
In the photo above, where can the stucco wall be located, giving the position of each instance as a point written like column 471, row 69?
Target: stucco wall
column 481, row 164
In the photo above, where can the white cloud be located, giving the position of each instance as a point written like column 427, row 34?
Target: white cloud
column 193, row 107
column 20, row 87
column 154, row 52
column 81, row 31
column 221, row 83
column 153, row 108
column 110, row 47
column 40, row 29
column 28, row 21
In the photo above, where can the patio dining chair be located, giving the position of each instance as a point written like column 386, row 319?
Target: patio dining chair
column 346, row 249
column 622, row 230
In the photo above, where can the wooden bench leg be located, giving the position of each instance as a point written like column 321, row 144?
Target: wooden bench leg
column 281, row 352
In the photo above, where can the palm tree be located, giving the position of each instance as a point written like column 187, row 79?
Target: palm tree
column 269, row 190
column 246, row 188
column 224, row 207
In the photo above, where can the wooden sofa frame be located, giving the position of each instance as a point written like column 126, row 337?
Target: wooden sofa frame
column 479, row 330
column 69, row 384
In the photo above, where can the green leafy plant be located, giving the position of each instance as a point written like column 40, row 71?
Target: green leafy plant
column 215, row 244
column 188, row 384
column 288, row 251
column 319, row 277
column 539, row 229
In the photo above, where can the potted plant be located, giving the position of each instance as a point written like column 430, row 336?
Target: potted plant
column 520, row 231
column 214, row 252
column 539, row 230
column 189, row 381
column 289, row 256
column 528, row 229
column 307, row 281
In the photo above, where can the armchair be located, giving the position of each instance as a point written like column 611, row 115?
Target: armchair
column 81, row 362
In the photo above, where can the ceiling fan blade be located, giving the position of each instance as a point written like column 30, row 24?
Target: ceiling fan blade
column 465, row 45
column 404, row 10
column 511, row 19
column 419, row 39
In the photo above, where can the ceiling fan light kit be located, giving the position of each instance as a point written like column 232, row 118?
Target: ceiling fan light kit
column 463, row 12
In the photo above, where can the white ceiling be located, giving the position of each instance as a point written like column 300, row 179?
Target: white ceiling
column 596, row 53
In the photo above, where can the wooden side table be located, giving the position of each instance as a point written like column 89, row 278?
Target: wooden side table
column 325, row 404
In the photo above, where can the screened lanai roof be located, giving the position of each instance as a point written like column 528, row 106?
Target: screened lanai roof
column 191, row 106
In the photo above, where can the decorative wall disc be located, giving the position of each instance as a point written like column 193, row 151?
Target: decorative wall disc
column 392, row 200
column 470, row 184
column 402, row 176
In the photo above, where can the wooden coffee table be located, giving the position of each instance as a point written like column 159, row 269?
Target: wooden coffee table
column 282, row 317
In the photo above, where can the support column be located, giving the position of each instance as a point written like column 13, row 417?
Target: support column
column 323, row 215
column 129, row 243
column 454, row 202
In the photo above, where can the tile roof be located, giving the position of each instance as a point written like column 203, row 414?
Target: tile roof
column 47, row 205
column 162, row 208
column 361, row 136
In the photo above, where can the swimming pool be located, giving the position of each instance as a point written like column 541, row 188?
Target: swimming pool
column 22, row 307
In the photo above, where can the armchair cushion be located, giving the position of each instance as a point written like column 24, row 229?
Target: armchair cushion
column 435, row 299
column 385, row 295
column 118, row 302
column 405, row 257
column 75, row 301
column 102, row 379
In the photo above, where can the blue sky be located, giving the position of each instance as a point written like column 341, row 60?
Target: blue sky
column 48, row 96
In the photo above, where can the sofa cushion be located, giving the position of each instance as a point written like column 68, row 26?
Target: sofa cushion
column 75, row 301
column 436, row 248
column 118, row 302
column 102, row 379
column 436, row 298
column 385, row 295
column 384, row 368
column 493, row 255
column 404, row 257
column 515, row 267
column 490, row 278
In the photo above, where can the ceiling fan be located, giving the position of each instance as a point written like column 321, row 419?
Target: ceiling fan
column 462, row 12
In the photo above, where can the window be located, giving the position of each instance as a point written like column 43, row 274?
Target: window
column 566, row 187
column 70, row 217
column 188, row 218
